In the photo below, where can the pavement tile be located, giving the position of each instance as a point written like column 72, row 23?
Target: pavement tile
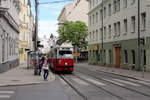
column 22, row 76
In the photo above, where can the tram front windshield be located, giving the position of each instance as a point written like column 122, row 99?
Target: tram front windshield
column 65, row 54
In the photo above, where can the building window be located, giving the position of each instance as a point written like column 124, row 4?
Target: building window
column 125, row 3
column 119, row 30
column 132, row 2
column 9, row 47
column 125, row 26
column 90, row 4
column 109, row 31
column 96, row 17
column 109, row 10
column 143, row 19
column 125, row 56
column 101, row 31
column 3, row 49
column 115, row 6
column 104, row 12
column 93, row 35
column 96, row 35
column 133, row 24
column 105, row 32
column 118, row 5
column 93, row 19
column 110, row 56
column 90, row 20
column 144, row 55
column 90, row 38
column 115, row 29
column 133, row 57
column 101, row 14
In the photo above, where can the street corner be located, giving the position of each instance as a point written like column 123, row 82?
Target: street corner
column 25, row 80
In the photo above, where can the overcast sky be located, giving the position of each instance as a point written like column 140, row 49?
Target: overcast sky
column 48, row 17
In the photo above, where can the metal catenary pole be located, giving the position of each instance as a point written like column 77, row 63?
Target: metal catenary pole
column 36, row 35
column 139, row 44
column 102, row 49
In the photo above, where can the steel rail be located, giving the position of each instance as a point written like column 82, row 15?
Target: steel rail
column 138, row 92
column 119, row 97
column 73, row 87
column 115, row 76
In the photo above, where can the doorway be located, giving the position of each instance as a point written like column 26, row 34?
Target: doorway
column 117, row 57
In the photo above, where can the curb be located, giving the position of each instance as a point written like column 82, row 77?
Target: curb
column 136, row 78
column 20, row 84
column 25, row 84
column 31, row 83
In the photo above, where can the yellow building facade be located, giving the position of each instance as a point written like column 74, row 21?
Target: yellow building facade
column 26, row 30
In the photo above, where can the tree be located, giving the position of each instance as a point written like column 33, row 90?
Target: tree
column 74, row 32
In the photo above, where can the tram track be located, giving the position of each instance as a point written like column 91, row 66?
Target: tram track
column 114, row 76
column 81, row 94
column 73, row 87
column 95, row 76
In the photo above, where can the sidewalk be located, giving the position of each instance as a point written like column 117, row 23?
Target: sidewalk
column 128, row 73
column 22, row 76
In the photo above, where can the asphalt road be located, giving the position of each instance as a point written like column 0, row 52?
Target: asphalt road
column 83, row 84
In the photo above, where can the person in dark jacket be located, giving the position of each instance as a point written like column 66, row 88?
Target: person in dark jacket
column 41, row 62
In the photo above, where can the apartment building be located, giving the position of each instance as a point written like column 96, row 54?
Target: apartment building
column 9, row 34
column 74, row 11
column 113, row 33
column 26, row 30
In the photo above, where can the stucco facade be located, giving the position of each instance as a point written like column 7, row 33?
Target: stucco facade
column 75, row 11
column 9, row 34
column 26, row 30
column 119, row 32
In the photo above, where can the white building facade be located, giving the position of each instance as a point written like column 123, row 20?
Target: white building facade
column 9, row 34
column 115, row 30
column 75, row 11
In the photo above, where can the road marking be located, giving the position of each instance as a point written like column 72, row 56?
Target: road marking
column 4, row 96
column 142, row 82
column 80, row 81
column 113, row 82
column 126, row 82
column 7, row 92
column 94, row 81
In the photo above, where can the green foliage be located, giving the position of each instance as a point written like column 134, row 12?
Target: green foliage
column 74, row 32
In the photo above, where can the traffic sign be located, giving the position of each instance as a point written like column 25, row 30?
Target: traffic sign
column 76, row 54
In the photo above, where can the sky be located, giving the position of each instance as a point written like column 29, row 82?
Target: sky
column 48, row 15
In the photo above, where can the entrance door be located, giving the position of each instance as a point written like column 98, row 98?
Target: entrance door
column 117, row 56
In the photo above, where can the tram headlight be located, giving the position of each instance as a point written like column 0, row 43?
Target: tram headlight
column 59, row 61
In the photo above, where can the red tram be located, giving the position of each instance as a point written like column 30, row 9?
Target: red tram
column 61, row 58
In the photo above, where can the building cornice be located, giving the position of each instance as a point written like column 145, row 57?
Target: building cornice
column 4, row 13
column 99, row 4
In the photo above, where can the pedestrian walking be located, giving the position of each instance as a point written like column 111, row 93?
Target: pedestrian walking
column 41, row 62
column 45, row 69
